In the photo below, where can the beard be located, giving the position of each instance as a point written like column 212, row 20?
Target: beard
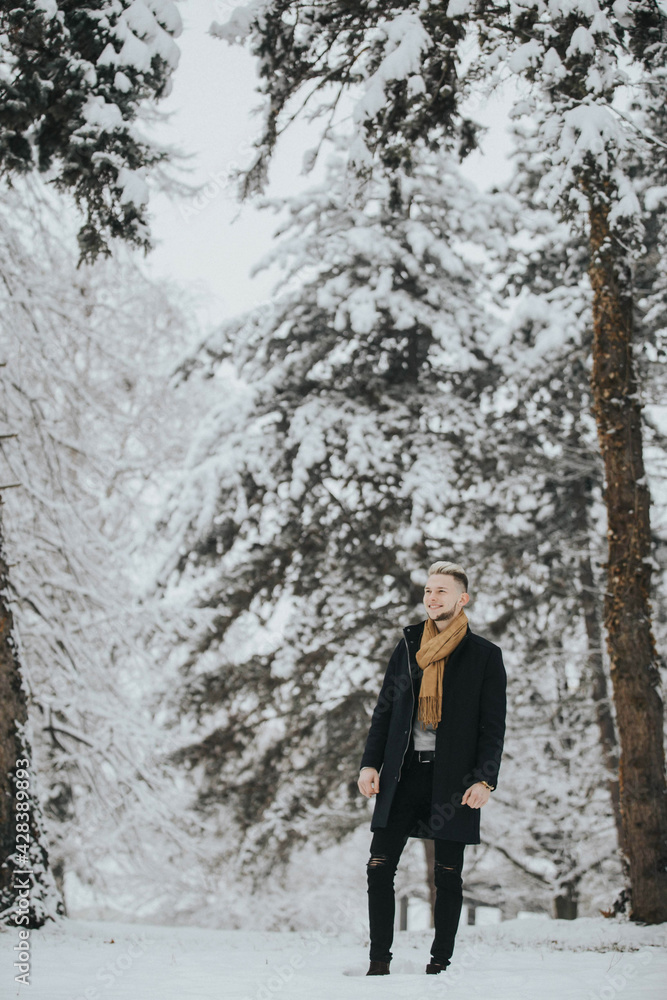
column 445, row 616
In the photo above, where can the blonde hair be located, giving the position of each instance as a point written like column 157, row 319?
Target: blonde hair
column 451, row 569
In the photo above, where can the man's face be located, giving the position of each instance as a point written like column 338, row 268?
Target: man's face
column 443, row 597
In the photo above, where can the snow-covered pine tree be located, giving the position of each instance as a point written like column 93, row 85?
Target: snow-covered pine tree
column 401, row 60
column 88, row 438
column 556, row 823
column 577, row 58
column 544, row 429
column 73, row 80
column 333, row 468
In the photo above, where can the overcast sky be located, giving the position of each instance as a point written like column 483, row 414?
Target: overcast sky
column 213, row 242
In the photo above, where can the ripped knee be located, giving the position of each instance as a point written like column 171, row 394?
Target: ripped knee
column 447, row 876
column 380, row 866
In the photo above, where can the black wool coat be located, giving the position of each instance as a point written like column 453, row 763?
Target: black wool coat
column 469, row 736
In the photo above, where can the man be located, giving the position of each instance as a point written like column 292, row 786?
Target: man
column 432, row 757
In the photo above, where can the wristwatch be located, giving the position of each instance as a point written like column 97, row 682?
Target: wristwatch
column 487, row 785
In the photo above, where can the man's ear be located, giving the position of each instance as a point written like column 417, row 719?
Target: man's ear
column 464, row 598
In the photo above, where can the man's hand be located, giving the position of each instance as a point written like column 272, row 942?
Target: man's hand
column 476, row 796
column 369, row 782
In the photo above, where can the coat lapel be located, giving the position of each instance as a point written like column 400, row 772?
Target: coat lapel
column 452, row 666
column 413, row 635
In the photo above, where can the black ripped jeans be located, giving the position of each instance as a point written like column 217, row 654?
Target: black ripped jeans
column 412, row 802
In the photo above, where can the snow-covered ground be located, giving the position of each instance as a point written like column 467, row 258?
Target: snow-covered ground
column 529, row 959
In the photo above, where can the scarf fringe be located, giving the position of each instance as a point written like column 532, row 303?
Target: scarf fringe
column 429, row 711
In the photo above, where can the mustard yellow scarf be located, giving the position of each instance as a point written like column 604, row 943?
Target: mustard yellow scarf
column 434, row 651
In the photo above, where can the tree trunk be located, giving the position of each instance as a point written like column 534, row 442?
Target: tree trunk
column 596, row 676
column 27, row 891
column 630, row 642
column 599, row 689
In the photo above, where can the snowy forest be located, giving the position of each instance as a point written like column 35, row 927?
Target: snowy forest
column 212, row 533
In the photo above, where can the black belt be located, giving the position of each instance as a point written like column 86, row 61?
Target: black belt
column 425, row 756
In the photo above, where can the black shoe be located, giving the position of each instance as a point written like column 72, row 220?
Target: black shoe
column 378, row 969
column 433, row 968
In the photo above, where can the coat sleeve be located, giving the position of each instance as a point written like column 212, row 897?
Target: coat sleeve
column 376, row 742
column 492, row 710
